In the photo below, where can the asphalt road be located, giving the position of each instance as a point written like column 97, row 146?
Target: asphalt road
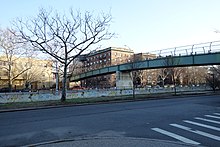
column 194, row 120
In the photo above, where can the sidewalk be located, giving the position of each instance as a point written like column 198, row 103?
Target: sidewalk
column 114, row 142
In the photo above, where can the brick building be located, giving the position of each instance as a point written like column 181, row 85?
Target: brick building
column 144, row 56
column 104, row 58
column 108, row 57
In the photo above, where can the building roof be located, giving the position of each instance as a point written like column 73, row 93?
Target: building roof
column 110, row 49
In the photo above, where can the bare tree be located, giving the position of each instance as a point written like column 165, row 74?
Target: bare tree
column 195, row 75
column 151, row 76
column 173, row 71
column 37, row 72
column 76, row 67
column 11, row 53
column 163, row 73
column 213, row 77
column 64, row 37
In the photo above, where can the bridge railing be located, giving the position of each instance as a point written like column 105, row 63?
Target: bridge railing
column 201, row 48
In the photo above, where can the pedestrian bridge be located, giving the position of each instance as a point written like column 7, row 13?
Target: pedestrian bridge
column 205, row 54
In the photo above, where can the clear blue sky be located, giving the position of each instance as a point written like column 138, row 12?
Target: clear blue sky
column 143, row 25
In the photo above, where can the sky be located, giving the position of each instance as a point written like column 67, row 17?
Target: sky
column 141, row 25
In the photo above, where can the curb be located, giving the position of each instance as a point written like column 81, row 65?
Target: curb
column 71, row 141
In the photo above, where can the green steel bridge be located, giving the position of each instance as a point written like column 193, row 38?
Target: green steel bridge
column 190, row 55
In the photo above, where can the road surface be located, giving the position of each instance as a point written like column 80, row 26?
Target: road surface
column 190, row 119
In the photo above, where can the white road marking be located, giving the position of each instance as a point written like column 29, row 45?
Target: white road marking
column 212, row 116
column 208, row 120
column 202, row 125
column 173, row 135
column 197, row 132
column 216, row 113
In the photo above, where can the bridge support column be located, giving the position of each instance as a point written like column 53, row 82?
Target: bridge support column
column 124, row 80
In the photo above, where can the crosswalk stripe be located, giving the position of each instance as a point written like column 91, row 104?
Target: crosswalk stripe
column 208, row 120
column 212, row 116
column 202, row 125
column 197, row 132
column 173, row 135
column 216, row 113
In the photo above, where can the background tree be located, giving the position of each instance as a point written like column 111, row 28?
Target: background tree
column 151, row 76
column 174, row 72
column 11, row 52
column 64, row 37
column 40, row 71
column 213, row 77
column 163, row 73
column 138, row 77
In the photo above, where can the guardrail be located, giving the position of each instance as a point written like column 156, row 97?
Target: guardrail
column 186, row 55
column 201, row 48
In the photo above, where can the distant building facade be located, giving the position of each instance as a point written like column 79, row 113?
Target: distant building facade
column 26, row 73
column 144, row 56
column 104, row 58
column 109, row 57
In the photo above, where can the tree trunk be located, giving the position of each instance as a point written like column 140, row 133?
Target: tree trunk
column 9, row 86
column 174, row 83
column 63, row 97
column 9, row 79
column 163, row 82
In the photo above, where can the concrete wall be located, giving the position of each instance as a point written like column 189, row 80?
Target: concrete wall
column 31, row 96
column 124, row 80
column 26, row 97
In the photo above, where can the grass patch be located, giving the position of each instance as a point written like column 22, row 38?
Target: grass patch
column 18, row 105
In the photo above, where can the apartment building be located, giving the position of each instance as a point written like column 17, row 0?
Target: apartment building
column 26, row 72
column 144, row 56
column 104, row 58
column 108, row 57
